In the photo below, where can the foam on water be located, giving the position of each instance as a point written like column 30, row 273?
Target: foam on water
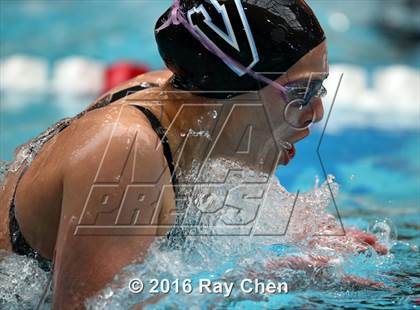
column 261, row 231
column 25, row 153
column 22, row 282
column 4, row 166
column 216, row 251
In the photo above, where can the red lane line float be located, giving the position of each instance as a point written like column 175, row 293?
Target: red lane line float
column 70, row 76
column 121, row 72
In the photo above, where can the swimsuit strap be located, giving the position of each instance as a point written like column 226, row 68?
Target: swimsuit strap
column 161, row 132
column 153, row 120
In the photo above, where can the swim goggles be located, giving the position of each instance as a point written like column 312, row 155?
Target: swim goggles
column 304, row 91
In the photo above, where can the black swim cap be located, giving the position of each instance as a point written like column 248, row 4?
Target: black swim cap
column 262, row 35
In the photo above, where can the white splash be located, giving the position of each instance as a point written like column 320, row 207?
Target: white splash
column 229, row 241
column 258, row 230
column 22, row 282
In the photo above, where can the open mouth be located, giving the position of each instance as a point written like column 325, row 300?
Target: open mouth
column 290, row 153
column 290, row 149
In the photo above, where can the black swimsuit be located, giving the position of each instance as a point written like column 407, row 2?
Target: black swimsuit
column 19, row 244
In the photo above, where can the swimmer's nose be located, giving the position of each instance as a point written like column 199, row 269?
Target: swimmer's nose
column 318, row 109
column 311, row 114
column 303, row 116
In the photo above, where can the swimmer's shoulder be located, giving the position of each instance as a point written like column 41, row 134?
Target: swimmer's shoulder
column 85, row 139
column 116, row 146
column 109, row 143
column 112, row 129
column 154, row 77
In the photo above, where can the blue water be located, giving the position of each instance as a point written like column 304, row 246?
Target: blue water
column 378, row 170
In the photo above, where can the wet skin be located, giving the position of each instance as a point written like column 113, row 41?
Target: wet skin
column 52, row 193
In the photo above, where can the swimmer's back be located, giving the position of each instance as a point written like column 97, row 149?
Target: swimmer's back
column 52, row 192
column 39, row 192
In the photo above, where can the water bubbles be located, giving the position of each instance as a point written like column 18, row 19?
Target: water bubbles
column 330, row 179
column 213, row 114
column 22, row 282
column 208, row 199
column 201, row 133
column 4, row 166
column 193, row 133
column 385, row 231
column 227, row 236
column 108, row 293
column 212, row 248
column 27, row 152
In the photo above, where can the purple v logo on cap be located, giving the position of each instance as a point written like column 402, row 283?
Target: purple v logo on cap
column 205, row 26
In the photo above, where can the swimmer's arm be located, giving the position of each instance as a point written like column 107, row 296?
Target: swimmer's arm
column 84, row 264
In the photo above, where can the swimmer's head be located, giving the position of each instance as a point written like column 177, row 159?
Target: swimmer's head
column 250, row 35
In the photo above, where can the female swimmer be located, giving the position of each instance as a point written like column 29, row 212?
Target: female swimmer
column 84, row 168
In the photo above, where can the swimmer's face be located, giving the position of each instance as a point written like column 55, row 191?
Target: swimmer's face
column 292, row 118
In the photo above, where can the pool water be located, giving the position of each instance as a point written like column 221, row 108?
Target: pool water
column 234, row 258
column 376, row 168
